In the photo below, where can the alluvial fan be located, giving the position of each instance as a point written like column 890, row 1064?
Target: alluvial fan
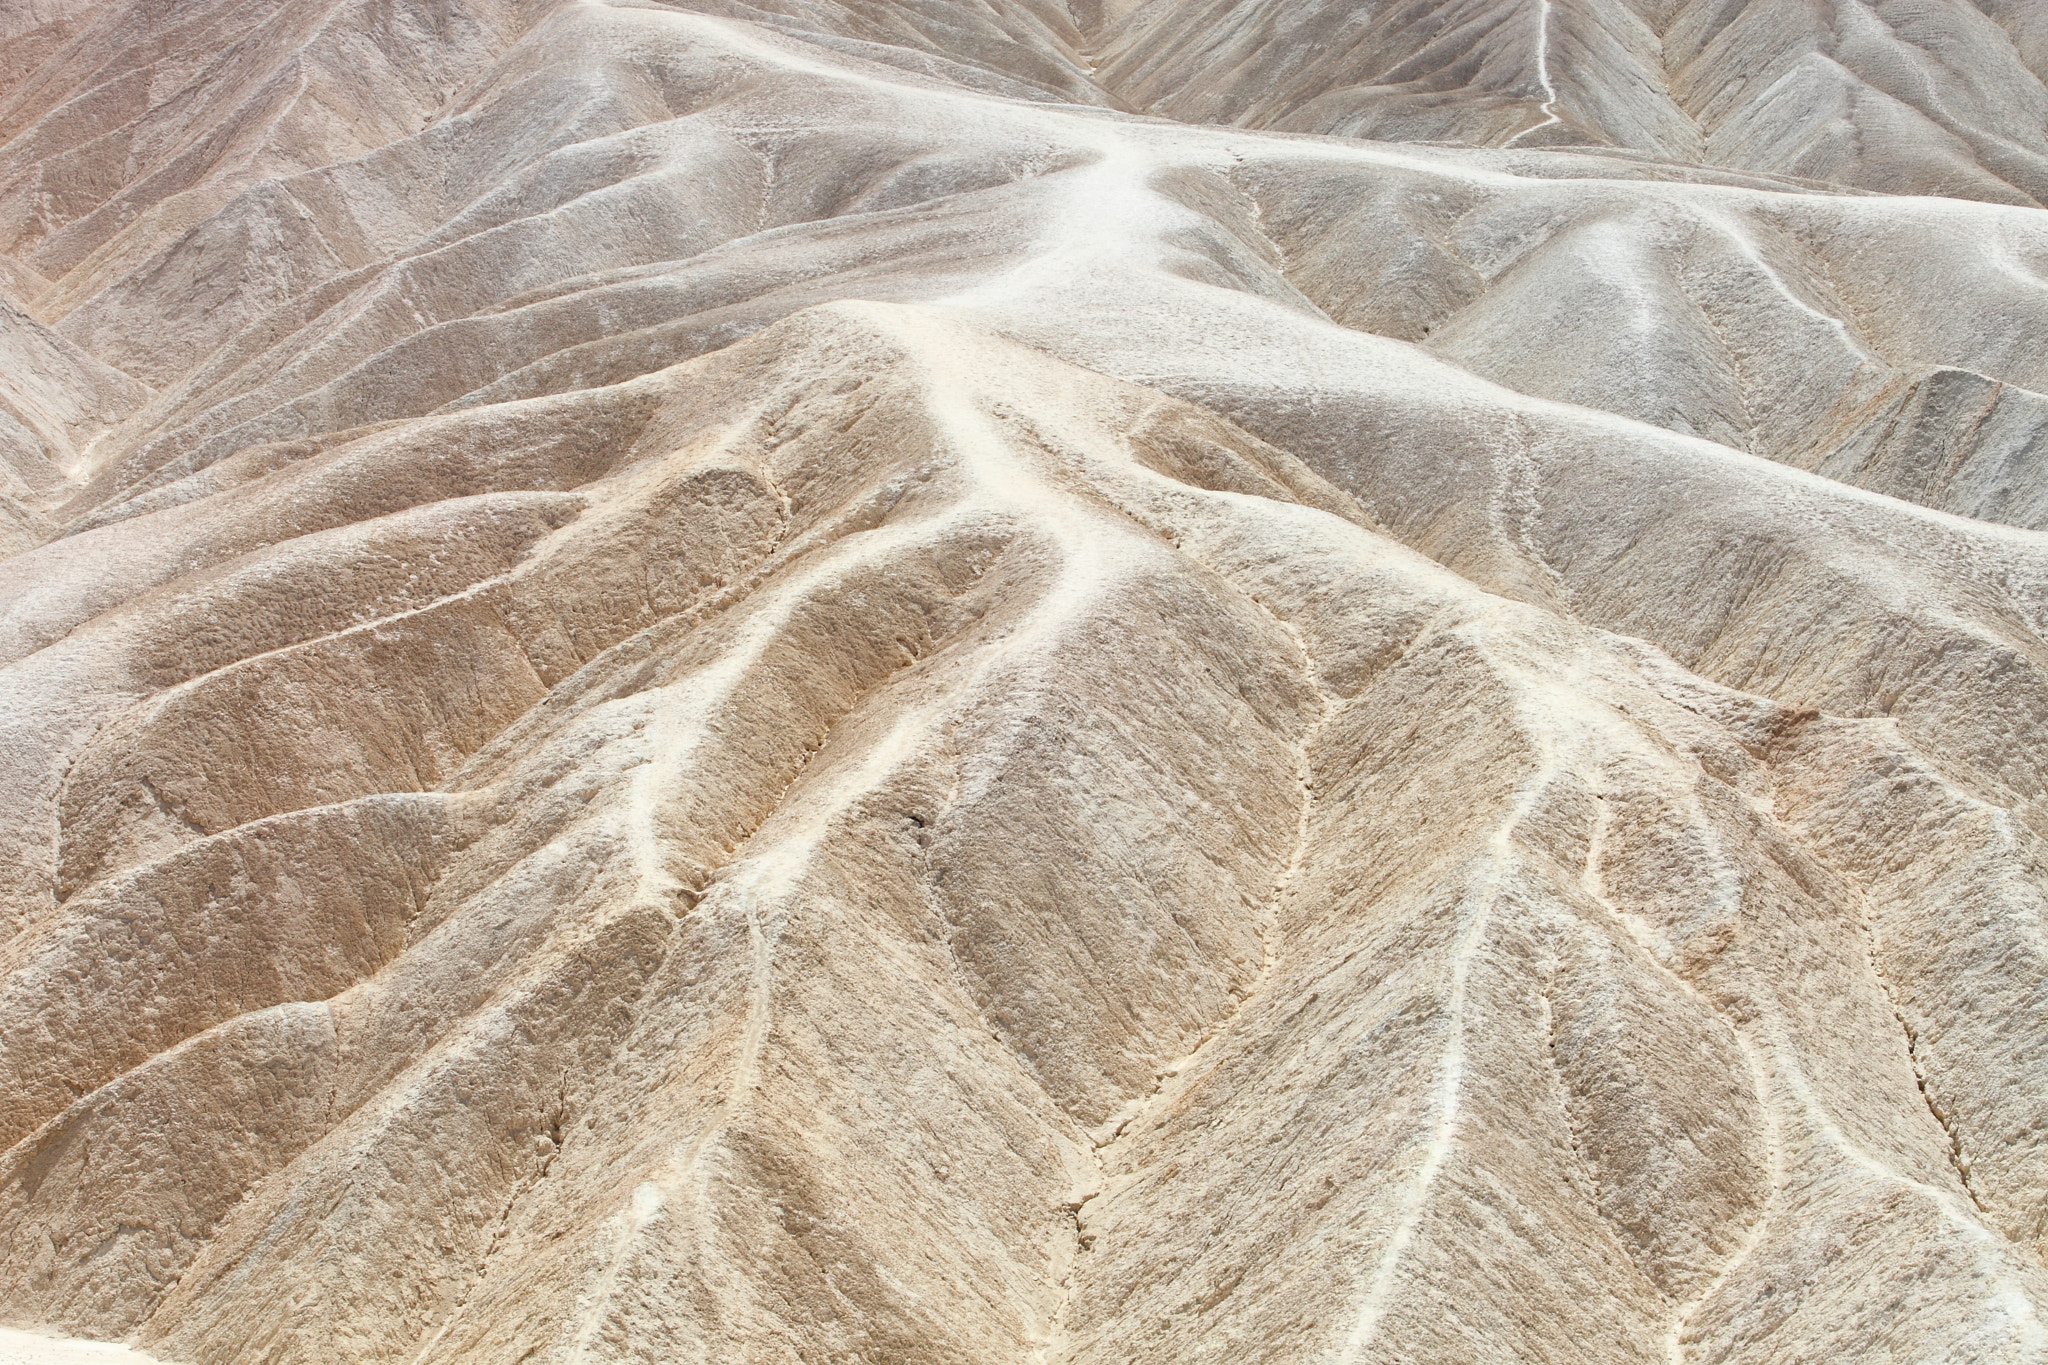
column 1017, row 683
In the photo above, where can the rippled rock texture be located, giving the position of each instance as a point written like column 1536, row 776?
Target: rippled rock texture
column 982, row 681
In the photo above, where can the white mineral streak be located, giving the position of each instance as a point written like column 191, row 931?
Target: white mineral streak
column 1549, row 106
column 33, row 1348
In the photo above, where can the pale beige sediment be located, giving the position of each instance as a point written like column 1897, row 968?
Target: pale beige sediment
column 763, row 683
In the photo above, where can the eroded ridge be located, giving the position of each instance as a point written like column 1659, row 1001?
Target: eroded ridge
column 898, row 684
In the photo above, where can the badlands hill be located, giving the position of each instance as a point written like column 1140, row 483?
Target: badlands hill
column 987, row 681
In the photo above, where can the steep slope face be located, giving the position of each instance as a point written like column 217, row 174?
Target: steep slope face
column 55, row 400
column 764, row 684
column 1908, row 98
column 1885, row 344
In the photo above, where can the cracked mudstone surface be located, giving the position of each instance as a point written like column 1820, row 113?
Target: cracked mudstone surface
column 996, row 681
